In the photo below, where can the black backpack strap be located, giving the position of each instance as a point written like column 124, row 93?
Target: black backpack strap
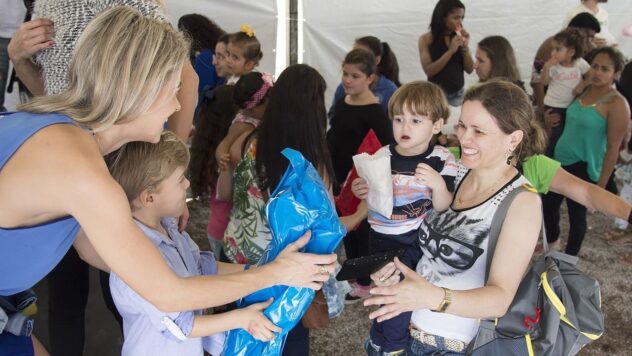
column 497, row 224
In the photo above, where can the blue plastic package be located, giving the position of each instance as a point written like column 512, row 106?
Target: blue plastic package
column 299, row 203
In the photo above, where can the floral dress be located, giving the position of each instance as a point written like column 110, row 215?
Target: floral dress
column 247, row 234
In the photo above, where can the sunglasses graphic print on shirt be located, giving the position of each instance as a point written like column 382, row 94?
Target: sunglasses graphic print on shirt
column 451, row 244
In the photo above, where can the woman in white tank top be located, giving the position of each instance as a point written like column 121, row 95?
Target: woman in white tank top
column 447, row 293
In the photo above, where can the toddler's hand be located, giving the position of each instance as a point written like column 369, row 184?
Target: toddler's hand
column 551, row 62
column 360, row 188
column 257, row 325
column 426, row 175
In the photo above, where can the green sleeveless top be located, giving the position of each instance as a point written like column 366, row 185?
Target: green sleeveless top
column 585, row 136
column 247, row 234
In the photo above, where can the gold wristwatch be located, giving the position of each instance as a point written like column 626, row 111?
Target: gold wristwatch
column 445, row 303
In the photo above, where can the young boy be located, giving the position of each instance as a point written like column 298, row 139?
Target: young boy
column 423, row 180
column 152, row 176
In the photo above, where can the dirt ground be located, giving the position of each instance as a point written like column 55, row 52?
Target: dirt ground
column 346, row 333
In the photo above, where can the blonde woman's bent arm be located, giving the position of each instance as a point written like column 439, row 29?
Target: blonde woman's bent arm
column 78, row 183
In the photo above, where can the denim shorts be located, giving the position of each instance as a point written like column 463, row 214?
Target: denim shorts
column 455, row 99
column 417, row 348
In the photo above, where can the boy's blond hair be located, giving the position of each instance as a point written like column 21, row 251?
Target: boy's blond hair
column 139, row 166
column 420, row 98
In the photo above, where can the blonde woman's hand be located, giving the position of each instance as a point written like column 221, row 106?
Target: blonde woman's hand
column 299, row 269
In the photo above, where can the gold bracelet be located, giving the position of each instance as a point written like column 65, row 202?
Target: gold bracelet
column 445, row 303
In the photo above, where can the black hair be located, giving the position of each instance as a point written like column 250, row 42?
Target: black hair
column 203, row 32
column 585, row 20
column 249, row 44
column 365, row 60
column 388, row 65
column 213, row 118
column 295, row 117
column 571, row 38
column 246, row 87
column 615, row 55
column 440, row 12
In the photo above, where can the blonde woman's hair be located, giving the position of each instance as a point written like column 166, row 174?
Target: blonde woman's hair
column 420, row 98
column 139, row 166
column 120, row 63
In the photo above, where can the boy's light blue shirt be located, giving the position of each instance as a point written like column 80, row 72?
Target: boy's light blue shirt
column 145, row 327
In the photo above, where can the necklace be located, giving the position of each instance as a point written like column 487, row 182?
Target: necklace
column 485, row 192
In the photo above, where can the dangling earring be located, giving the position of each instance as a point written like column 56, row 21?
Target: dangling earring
column 510, row 157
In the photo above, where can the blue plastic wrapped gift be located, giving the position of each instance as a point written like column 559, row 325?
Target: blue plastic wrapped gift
column 299, row 203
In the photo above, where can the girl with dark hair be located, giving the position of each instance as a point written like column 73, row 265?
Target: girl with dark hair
column 295, row 117
column 495, row 58
column 245, row 100
column 386, row 61
column 354, row 115
column 204, row 35
column 563, row 73
column 444, row 51
column 386, row 76
column 244, row 53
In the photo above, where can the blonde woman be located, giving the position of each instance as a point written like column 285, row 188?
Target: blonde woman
column 41, row 51
column 55, row 190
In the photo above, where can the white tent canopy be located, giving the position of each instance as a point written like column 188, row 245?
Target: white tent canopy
column 327, row 28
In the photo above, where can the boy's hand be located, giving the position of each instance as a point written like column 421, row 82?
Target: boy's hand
column 257, row 325
column 360, row 188
column 426, row 175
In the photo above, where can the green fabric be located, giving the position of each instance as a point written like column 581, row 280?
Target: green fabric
column 540, row 170
column 584, row 139
column 456, row 152
column 247, row 234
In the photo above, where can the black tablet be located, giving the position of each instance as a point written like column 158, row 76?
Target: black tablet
column 364, row 266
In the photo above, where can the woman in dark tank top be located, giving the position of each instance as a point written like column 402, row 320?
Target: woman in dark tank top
column 444, row 51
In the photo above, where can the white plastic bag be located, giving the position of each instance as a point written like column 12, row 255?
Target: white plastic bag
column 376, row 170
